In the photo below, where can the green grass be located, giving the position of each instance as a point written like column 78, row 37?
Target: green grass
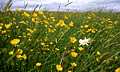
column 45, row 41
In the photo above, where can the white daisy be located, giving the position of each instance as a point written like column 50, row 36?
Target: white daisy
column 84, row 41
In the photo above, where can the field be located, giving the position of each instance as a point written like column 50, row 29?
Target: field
column 59, row 41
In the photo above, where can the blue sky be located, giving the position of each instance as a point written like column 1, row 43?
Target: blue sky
column 82, row 5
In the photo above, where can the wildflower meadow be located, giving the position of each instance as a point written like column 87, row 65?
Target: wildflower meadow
column 42, row 41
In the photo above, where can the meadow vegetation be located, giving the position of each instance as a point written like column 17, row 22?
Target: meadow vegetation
column 42, row 41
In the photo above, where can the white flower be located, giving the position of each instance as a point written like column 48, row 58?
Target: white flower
column 84, row 41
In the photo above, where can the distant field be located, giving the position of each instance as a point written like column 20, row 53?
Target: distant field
column 59, row 41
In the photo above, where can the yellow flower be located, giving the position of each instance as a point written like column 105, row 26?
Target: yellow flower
column 65, row 17
column 26, row 14
column 24, row 56
column 98, row 53
column 93, row 30
column 57, row 49
column 14, row 41
column 71, row 24
column 59, row 67
column 73, row 40
column 19, row 36
column 74, row 54
column 19, row 57
column 11, row 52
column 117, row 70
column 89, row 17
column 17, row 26
column 89, row 30
column 7, row 26
column 1, row 24
column 29, row 34
column 86, row 26
column 53, row 20
column 73, row 64
column 115, row 22
column 81, row 26
column 81, row 49
column 34, row 15
column 50, row 30
column 45, row 21
column 4, row 31
column 38, row 64
column 44, row 16
column 97, row 59
column 31, row 50
column 0, row 27
column 31, row 30
column 61, row 23
column 69, row 71
column 34, row 20
column 14, row 19
column 66, row 27
column 19, row 51
column 22, row 22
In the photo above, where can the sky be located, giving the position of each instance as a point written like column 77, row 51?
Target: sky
column 80, row 5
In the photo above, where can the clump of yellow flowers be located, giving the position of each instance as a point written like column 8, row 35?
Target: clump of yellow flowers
column 89, row 29
column 20, row 55
column 7, row 26
column 15, row 41
column 92, row 30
